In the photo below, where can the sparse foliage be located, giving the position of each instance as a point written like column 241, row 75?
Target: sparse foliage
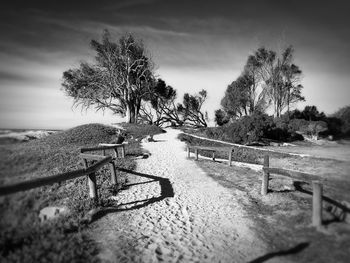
column 281, row 78
column 159, row 106
column 120, row 77
column 191, row 109
column 267, row 79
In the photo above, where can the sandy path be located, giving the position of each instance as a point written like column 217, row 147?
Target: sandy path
column 174, row 212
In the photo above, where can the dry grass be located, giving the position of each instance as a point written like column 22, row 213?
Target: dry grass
column 282, row 218
column 23, row 238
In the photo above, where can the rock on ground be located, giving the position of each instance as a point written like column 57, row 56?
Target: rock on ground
column 51, row 212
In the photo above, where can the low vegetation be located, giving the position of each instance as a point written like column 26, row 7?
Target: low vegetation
column 23, row 237
column 264, row 129
column 240, row 154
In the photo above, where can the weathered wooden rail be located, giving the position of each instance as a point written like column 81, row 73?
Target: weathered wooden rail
column 48, row 180
column 103, row 147
column 300, row 176
column 196, row 149
column 89, row 172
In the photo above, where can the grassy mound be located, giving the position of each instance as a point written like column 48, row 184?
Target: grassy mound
column 23, row 238
column 56, row 153
column 81, row 135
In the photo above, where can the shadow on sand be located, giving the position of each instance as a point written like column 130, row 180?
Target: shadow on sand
column 290, row 251
column 166, row 191
column 339, row 210
column 337, row 217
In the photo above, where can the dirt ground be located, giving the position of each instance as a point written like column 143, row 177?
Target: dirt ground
column 176, row 209
column 283, row 217
column 172, row 211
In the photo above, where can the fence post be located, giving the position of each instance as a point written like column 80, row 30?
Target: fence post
column 213, row 156
column 230, row 158
column 265, row 177
column 115, row 152
column 196, row 152
column 92, row 186
column 123, row 151
column 113, row 173
column 316, row 204
column 91, row 182
column 85, row 163
column 188, row 152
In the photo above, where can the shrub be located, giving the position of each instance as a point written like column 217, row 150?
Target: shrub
column 339, row 122
column 245, row 130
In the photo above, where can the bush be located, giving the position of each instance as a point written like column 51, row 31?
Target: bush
column 339, row 122
column 245, row 130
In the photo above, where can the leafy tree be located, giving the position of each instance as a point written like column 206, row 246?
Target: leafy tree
column 242, row 96
column 120, row 77
column 220, row 117
column 255, row 90
column 310, row 113
column 340, row 122
column 266, row 79
column 191, row 109
column 236, row 102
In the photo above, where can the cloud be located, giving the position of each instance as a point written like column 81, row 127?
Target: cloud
column 196, row 44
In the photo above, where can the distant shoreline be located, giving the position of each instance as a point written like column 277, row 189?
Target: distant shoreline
column 3, row 130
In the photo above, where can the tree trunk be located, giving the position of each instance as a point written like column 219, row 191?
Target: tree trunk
column 130, row 113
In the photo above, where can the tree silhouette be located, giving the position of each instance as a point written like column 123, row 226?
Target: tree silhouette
column 191, row 109
column 120, row 77
column 281, row 78
column 159, row 106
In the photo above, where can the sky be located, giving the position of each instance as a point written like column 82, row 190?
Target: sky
column 195, row 45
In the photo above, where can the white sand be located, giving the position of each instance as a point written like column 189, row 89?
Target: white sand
column 202, row 222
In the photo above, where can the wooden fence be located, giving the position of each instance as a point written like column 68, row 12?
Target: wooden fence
column 89, row 172
column 316, row 187
column 196, row 149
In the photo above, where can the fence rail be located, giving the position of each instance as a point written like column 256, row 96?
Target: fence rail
column 48, row 180
column 317, row 187
column 103, row 147
column 196, row 149
column 89, row 172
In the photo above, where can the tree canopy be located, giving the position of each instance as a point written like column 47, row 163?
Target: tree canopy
column 159, row 106
column 281, row 78
column 191, row 109
column 267, row 79
column 120, row 77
